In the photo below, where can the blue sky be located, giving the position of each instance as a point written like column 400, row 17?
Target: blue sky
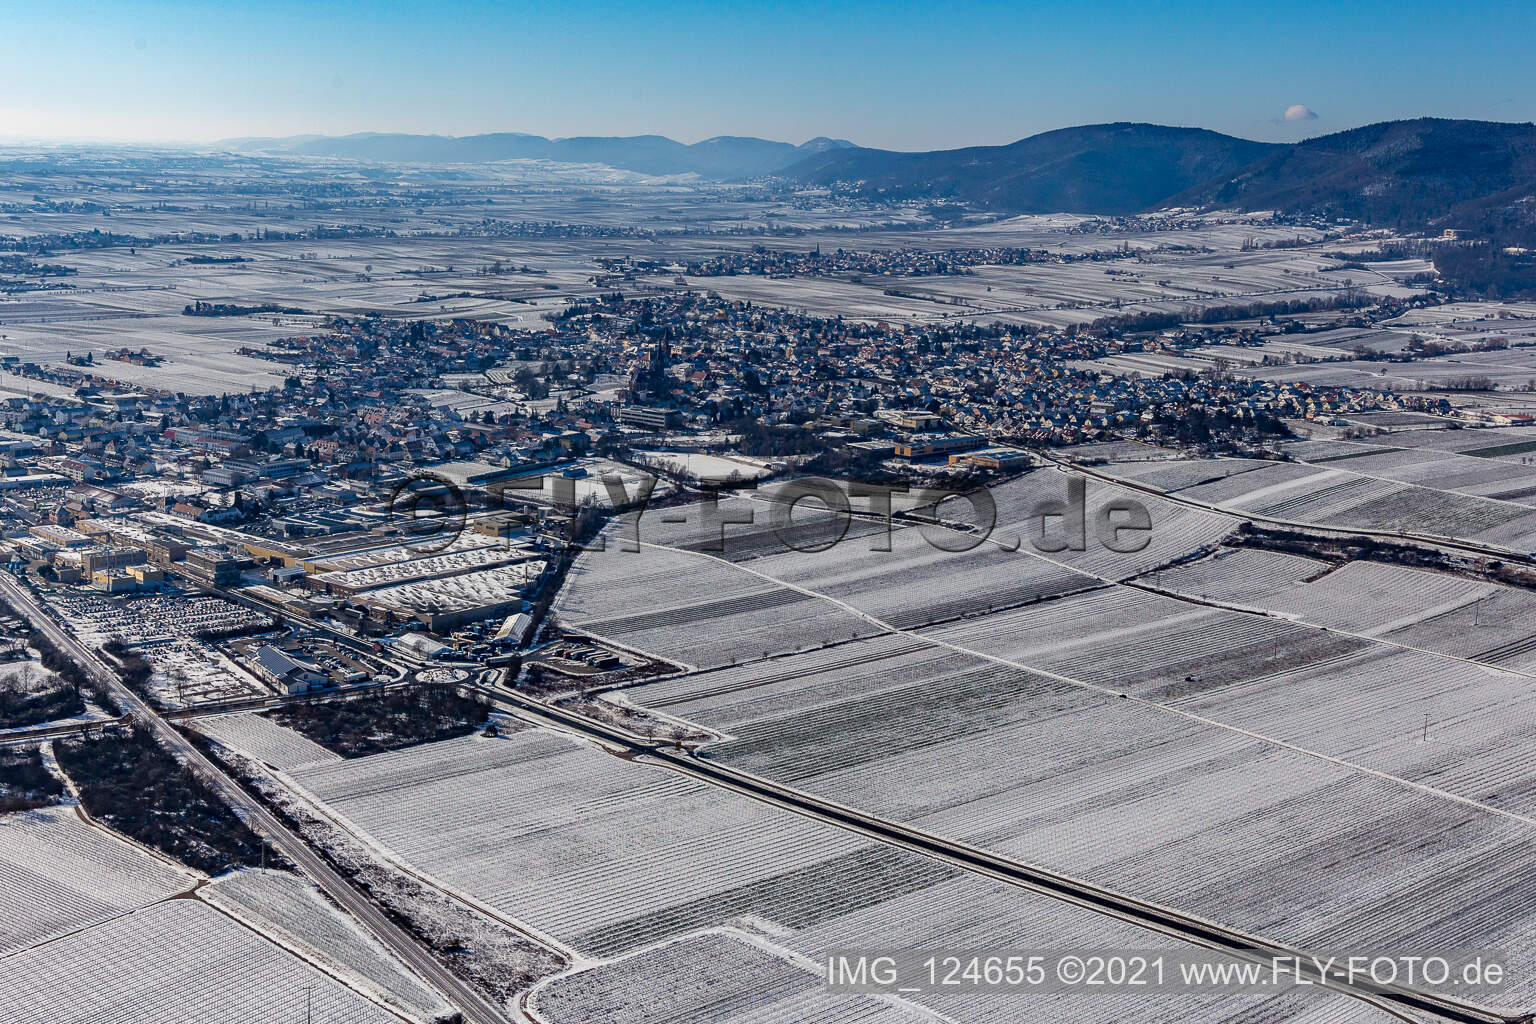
column 883, row 74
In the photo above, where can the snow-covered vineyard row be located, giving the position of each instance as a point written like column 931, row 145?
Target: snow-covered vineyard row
column 1446, row 471
column 659, row 600
column 176, row 961
column 261, row 738
column 603, row 855
column 1447, row 614
column 743, row 981
column 1171, row 644
column 761, row 602
column 1333, row 493
column 1339, row 695
column 975, row 913
column 1241, row 576
column 58, row 873
column 1171, row 809
column 612, row 857
column 1370, row 597
column 282, row 904
column 1177, row 474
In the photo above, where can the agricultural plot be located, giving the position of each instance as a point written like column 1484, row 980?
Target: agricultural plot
column 1175, row 530
column 1331, row 495
column 1460, row 728
column 1446, row 471
column 1175, row 809
column 1174, row 476
column 1377, row 599
column 199, row 355
column 1510, row 369
column 59, row 874
column 1059, row 294
column 1265, row 479
column 258, row 737
column 179, row 960
column 291, row 910
column 628, row 862
column 744, row 981
column 1117, row 451
column 679, row 594
column 917, row 582
column 732, row 697
column 773, row 598
column 968, row 912
column 1130, row 641
column 1349, row 339
column 1241, row 576
column 601, row 854
column 1498, row 628
column 1491, row 442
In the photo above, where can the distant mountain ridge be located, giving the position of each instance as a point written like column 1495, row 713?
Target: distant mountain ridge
column 1104, row 168
column 1428, row 171
column 1414, row 172
column 1395, row 172
column 720, row 158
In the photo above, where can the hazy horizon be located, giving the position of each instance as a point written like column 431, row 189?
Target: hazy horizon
column 881, row 75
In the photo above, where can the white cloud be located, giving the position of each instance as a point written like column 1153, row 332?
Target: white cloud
column 1300, row 112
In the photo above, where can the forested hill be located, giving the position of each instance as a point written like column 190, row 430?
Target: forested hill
column 1104, row 168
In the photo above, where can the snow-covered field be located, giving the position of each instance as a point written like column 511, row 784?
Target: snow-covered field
column 598, row 853
column 263, row 739
column 59, row 874
column 611, row 857
column 771, row 592
column 1189, row 811
column 1333, row 494
column 713, row 977
column 177, row 961
column 694, row 609
column 298, row 915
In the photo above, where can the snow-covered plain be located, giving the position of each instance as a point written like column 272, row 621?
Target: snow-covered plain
column 263, row 739
column 59, row 873
column 296, row 913
column 610, row 857
column 178, row 961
